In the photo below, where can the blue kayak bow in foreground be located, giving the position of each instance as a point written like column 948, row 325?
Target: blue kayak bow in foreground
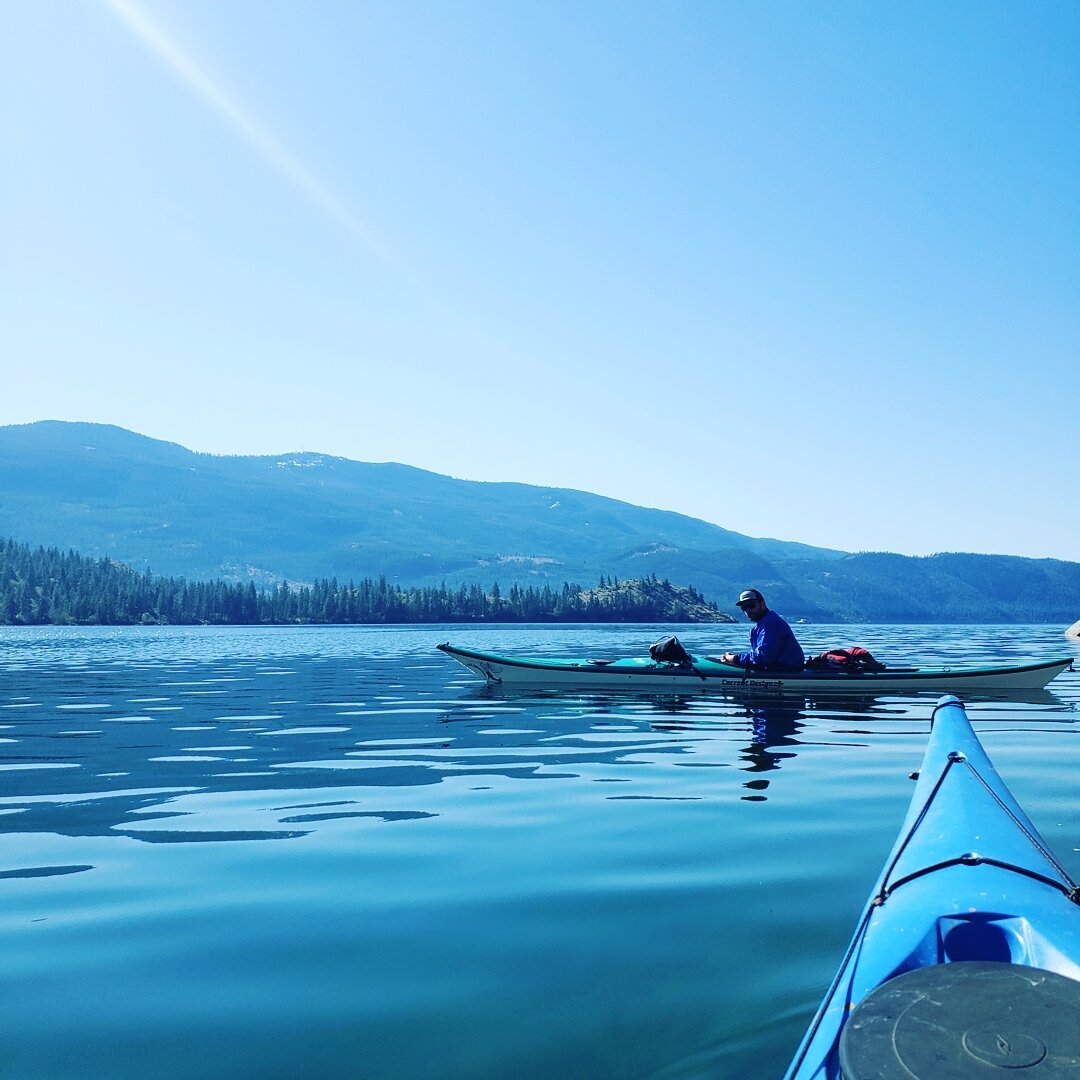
column 966, row 959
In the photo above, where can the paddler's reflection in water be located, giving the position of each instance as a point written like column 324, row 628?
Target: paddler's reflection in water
column 771, row 725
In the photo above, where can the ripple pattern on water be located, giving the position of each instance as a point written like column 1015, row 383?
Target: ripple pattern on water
column 349, row 856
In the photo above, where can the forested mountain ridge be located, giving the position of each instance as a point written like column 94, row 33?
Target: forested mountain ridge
column 945, row 588
column 300, row 518
column 49, row 587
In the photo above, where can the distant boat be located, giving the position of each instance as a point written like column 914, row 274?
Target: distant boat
column 704, row 672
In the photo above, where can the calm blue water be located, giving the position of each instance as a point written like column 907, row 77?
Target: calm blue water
column 327, row 853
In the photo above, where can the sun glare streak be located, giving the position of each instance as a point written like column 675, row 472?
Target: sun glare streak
column 260, row 140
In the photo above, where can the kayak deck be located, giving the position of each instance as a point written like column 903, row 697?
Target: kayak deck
column 710, row 672
column 969, row 881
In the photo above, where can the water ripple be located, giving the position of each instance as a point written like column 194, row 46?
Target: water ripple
column 310, row 851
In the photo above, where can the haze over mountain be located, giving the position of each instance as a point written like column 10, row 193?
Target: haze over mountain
column 157, row 506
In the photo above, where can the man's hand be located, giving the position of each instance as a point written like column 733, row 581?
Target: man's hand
column 728, row 658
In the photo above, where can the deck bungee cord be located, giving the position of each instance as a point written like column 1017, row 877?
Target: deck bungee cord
column 970, row 938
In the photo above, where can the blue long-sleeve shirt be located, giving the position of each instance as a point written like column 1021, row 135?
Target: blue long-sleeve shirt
column 772, row 645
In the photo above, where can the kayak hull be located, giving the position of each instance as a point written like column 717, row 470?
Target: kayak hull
column 969, row 879
column 634, row 672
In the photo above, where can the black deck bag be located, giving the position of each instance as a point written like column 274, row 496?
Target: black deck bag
column 671, row 650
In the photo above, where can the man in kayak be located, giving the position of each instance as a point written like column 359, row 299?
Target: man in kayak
column 772, row 644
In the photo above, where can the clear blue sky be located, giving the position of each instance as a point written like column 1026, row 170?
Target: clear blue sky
column 805, row 270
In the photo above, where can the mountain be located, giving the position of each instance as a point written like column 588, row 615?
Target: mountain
column 155, row 505
column 105, row 491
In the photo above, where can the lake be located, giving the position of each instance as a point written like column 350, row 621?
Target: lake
column 330, row 853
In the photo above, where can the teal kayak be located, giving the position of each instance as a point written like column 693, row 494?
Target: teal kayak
column 709, row 673
column 966, row 959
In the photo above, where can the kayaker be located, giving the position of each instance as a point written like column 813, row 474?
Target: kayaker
column 772, row 643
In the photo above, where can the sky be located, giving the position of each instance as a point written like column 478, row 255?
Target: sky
column 805, row 270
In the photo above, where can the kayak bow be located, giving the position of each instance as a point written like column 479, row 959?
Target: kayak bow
column 967, row 954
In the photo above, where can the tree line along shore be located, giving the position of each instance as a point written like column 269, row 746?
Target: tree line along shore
column 45, row 586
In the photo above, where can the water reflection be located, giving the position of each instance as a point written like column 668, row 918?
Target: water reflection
column 771, row 726
column 182, row 749
column 421, row 845
column 775, row 727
